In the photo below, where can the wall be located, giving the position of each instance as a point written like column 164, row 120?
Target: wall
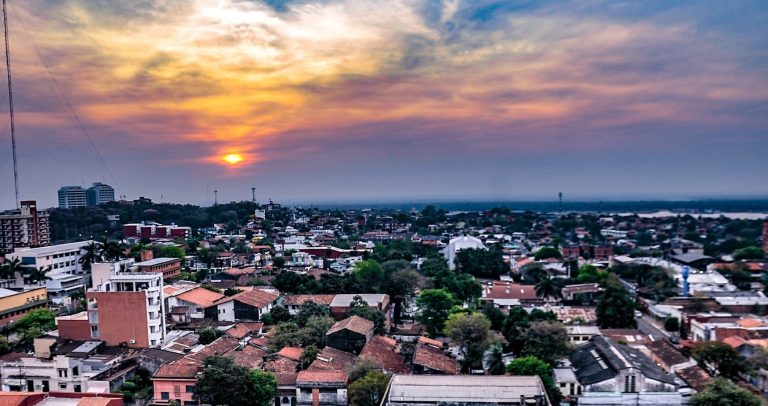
column 162, row 385
column 74, row 329
column 122, row 317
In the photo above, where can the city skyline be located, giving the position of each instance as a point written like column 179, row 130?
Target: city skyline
column 356, row 100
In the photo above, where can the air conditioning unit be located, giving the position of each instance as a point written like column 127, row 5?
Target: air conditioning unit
column 132, row 341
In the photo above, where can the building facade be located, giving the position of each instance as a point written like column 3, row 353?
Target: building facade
column 155, row 231
column 99, row 193
column 24, row 227
column 71, row 197
column 14, row 305
column 128, row 310
column 170, row 268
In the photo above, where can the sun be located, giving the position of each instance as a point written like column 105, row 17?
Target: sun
column 233, row 159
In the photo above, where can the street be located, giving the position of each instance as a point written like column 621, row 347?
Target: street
column 646, row 327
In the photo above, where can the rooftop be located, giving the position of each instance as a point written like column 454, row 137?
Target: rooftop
column 355, row 323
column 463, row 389
column 157, row 261
column 344, row 300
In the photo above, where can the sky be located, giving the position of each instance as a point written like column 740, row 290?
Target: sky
column 374, row 100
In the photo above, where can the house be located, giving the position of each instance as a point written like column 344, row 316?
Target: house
column 169, row 267
column 460, row 243
column 584, row 290
column 332, row 359
column 199, row 302
column 294, row 302
column 567, row 382
column 666, row 356
column 176, row 381
column 611, row 374
column 350, row 334
column 341, row 304
column 286, row 388
column 429, row 358
column 60, row 399
column 504, row 295
column 248, row 305
column 465, row 390
column 383, row 352
column 578, row 335
column 321, row 388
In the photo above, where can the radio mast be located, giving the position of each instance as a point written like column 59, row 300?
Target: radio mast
column 10, row 104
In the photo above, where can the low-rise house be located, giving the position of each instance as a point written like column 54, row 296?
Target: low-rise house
column 321, row 388
column 666, row 356
column 350, row 334
column 342, row 304
column 612, row 374
column 60, row 399
column 586, row 291
column 505, row 295
column 383, row 352
column 566, row 381
column 466, row 390
column 198, row 302
column 429, row 358
column 248, row 305
column 176, row 382
column 14, row 305
column 332, row 359
column 578, row 335
column 293, row 302
column 169, row 267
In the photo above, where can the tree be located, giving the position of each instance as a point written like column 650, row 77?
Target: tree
column 92, row 253
column 362, row 367
column 549, row 288
column 309, row 309
column 534, row 366
column 11, row 268
column 280, row 314
column 590, row 274
column 369, row 275
column 751, row 252
column 722, row 392
column 482, row 263
column 112, row 250
column 547, row 341
column 278, row 262
column 471, row 332
column 37, row 275
column 434, row 307
column 284, row 335
column 43, row 319
column 368, row 390
column 401, row 284
column 313, row 333
column 222, row 381
column 672, row 324
column 494, row 360
column 308, row 356
column 615, row 309
column 547, row 252
column 263, row 387
column 462, row 287
column 207, row 336
column 720, row 359
column 434, row 266
column 360, row 308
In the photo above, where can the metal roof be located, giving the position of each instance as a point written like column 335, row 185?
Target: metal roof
column 463, row 388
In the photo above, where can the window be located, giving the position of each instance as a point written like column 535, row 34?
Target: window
column 177, row 391
column 63, row 386
column 75, row 371
column 78, row 388
column 629, row 384
column 62, row 372
column 165, row 395
column 190, row 389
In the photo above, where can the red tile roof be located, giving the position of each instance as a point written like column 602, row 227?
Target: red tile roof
column 506, row 290
column 431, row 342
column 334, row 360
column 432, row 358
column 355, row 323
column 298, row 300
column 255, row 298
column 286, row 378
column 280, row 365
column 696, row 377
column 735, row 341
column 381, row 350
column 243, row 329
column 292, row 353
column 200, row 296
column 309, row 377
column 183, row 368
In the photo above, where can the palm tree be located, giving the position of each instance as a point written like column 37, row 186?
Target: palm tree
column 549, row 288
column 11, row 268
column 37, row 275
column 92, row 253
column 113, row 251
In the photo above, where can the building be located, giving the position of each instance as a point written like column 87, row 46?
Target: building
column 248, row 305
column 466, row 390
column 61, row 258
column 350, row 334
column 71, row 197
column 342, row 304
column 60, row 399
column 170, row 268
column 14, row 305
column 99, row 193
column 154, row 231
column 611, row 374
column 197, row 303
column 578, row 334
column 293, row 302
column 458, row 244
column 505, row 294
column 128, row 310
column 318, row 388
column 24, row 227
column 176, row 381
column 429, row 358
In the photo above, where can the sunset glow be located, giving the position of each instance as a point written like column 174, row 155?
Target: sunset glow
column 233, row 159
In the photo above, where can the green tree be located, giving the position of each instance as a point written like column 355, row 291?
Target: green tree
column 672, row 324
column 615, row 309
column 362, row 367
column 207, row 336
column 434, row 307
column 590, row 274
column 360, row 308
column 748, row 253
column 720, row 359
column 263, row 388
column 547, row 252
column 471, row 333
column 308, row 356
column 309, row 309
column 547, row 341
column 721, row 392
column 462, row 287
column 284, row 335
column 494, row 360
column 43, row 319
column 91, row 253
column 401, row 284
column 482, row 263
column 280, row 314
column 313, row 333
column 549, row 288
column 434, row 266
column 368, row 390
column 11, row 268
column 369, row 275
column 534, row 366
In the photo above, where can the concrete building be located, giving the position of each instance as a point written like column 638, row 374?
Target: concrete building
column 467, row 390
column 153, row 231
column 99, row 193
column 61, row 258
column 319, row 388
column 128, row 310
column 14, row 305
column 24, row 227
column 71, row 197
column 170, row 268
column 458, row 244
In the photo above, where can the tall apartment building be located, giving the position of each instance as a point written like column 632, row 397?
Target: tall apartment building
column 99, row 193
column 128, row 309
column 24, row 227
column 71, row 197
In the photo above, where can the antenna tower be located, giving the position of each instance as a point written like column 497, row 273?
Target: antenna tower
column 10, row 104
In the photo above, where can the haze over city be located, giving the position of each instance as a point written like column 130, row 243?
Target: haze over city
column 363, row 100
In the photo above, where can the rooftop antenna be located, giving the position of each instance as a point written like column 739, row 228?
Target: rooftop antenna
column 253, row 195
column 10, row 104
column 215, row 197
column 560, row 197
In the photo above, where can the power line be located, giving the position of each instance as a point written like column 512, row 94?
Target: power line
column 71, row 109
